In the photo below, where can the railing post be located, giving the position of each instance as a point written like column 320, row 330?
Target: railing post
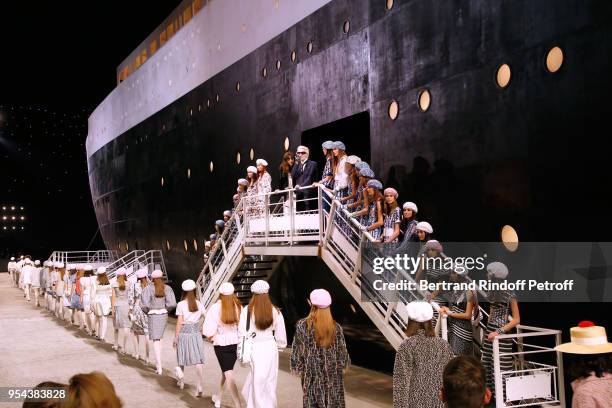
column 560, row 380
column 321, row 215
column 330, row 222
column 292, row 211
column 499, row 387
column 444, row 326
column 267, row 215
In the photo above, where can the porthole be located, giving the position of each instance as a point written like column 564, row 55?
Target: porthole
column 211, row 166
column 393, row 110
column 199, row 108
column 217, row 97
column 195, row 245
column 168, row 245
column 162, row 181
column 554, row 59
column 287, row 143
column 264, row 72
column 345, row 27
column 252, row 153
column 127, row 247
column 208, row 103
column 237, row 157
column 188, row 173
column 190, row 112
column 309, row 47
column 424, row 100
column 237, row 87
column 185, row 245
column 278, row 65
column 503, row 75
column 293, row 56
column 509, row 238
column 389, row 4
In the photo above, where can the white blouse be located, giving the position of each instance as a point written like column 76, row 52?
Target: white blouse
column 341, row 179
column 276, row 331
column 223, row 334
column 182, row 309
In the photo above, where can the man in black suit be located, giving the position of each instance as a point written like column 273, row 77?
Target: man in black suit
column 304, row 173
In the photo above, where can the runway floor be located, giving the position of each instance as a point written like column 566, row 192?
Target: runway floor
column 37, row 347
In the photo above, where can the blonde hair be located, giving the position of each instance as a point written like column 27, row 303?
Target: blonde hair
column 324, row 326
column 92, row 390
column 103, row 279
column 121, row 282
column 160, row 290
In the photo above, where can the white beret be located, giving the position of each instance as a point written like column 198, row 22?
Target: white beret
column 37, row 262
column 251, row 169
column 243, row 181
column 101, row 270
column 12, row 258
column 121, row 271
column 71, row 267
column 498, row 270
column 419, row 311
column 88, row 268
column 353, row 159
column 188, row 285
column 157, row 274
column 411, row 205
column 227, row 213
column 320, row 298
column 260, row 286
column 141, row 273
column 261, row 162
column 226, row 288
column 58, row 264
column 424, row 226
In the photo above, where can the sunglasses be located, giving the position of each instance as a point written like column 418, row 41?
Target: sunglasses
column 301, row 153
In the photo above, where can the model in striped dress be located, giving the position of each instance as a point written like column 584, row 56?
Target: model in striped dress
column 372, row 211
column 187, row 339
column 119, row 302
column 328, row 174
column 140, row 322
column 463, row 306
column 392, row 216
column 502, row 306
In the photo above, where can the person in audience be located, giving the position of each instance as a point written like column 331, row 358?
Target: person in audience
column 101, row 302
column 263, row 320
column 372, row 220
column 409, row 221
column 391, row 216
column 46, row 403
column 187, row 339
column 304, row 174
column 157, row 300
column 319, row 355
column 353, row 180
column 464, row 384
column 462, row 310
column 503, row 318
column 419, row 361
column 92, row 390
column 285, row 179
column 120, row 305
column 140, row 322
column 87, row 283
column 589, row 365
column 328, row 173
column 221, row 327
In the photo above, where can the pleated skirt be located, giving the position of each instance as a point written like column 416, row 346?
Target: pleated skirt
column 120, row 317
column 157, row 325
column 190, row 346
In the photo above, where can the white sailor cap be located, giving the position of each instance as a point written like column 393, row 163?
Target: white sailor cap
column 101, row 270
column 157, row 274
column 498, row 270
column 419, row 311
column 141, row 273
column 88, row 268
column 411, row 205
column 260, row 286
column 227, row 213
column 251, row 169
column 37, row 262
column 353, row 159
column 58, row 265
column 261, row 162
column 226, row 288
column 424, row 226
column 12, row 258
column 243, row 181
column 188, row 285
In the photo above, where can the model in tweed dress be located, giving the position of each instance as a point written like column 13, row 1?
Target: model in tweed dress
column 187, row 338
column 157, row 300
column 419, row 362
column 140, row 322
column 319, row 355
column 119, row 303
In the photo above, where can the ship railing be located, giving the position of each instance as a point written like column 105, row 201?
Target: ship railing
column 93, row 258
column 529, row 382
column 149, row 260
column 127, row 261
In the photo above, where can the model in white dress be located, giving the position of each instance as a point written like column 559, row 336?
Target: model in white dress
column 101, row 302
column 86, row 284
column 259, row 389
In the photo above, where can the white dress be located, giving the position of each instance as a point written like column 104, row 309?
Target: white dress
column 86, row 291
column 260, row 386
column 102, row 299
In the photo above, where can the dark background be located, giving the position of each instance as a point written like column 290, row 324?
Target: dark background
column 58, row 63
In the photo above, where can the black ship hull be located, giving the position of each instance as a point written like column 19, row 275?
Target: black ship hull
column 480, row 157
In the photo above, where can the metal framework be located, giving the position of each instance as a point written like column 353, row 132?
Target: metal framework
column 94, row 258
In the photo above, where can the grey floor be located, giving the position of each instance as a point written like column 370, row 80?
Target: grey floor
column 36, row 347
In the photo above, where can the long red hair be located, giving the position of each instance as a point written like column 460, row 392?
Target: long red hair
column 230, row 309
column 324, row 326
column 160, row 290
column 261, row 306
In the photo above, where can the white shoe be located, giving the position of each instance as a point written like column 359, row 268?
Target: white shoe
column 158, row 370
column 179, row 376
column 199, row 391
column 216, row 400
column 116, row 348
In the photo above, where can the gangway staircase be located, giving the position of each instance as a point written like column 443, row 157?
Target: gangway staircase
column 136, row 260
column 310, row 222
column 94, row 258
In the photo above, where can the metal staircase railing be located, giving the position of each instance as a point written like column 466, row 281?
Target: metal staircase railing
column 94, row 258
column 151, row 260
column 126, row 261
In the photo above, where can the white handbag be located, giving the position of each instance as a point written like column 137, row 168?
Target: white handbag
column 245, row 345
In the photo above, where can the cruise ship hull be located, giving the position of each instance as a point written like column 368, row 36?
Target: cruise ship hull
column 480, row 156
